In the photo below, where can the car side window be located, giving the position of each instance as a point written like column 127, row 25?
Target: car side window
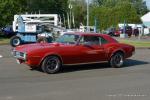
column 103, row 41
column 90, row 40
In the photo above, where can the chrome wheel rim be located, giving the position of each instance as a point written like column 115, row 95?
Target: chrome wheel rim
column 16, row 41
column 52, row 64
column 118, row 60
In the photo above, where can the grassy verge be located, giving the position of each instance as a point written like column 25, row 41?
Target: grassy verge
column 4, row 41
column 136, row 43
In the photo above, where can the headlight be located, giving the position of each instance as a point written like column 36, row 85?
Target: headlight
column 20, row 55
column 25, row 56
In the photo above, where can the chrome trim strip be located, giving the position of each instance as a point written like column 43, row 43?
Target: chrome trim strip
column 86, row 63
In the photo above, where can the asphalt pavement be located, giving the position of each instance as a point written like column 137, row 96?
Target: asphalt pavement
column 86, row 82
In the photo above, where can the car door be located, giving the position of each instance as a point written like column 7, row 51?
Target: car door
column 71, row 54
column 70, row 51
column 91, row 49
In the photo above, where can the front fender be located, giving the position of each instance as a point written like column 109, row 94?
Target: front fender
column 51, row 54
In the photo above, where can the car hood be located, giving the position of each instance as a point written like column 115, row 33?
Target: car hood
column 36, row 46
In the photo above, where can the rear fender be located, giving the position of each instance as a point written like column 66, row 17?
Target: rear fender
column 110, row 54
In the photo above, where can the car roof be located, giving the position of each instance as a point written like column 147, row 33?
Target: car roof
column 85, row 33
column 105, row 36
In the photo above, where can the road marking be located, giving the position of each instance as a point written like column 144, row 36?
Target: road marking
column 126, row 95
column 1, row 56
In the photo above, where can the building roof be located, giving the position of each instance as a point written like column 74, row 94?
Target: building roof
column 146, row 17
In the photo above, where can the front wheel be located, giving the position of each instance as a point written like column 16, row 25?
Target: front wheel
column 51, row 65
column 117, row 60
column 15, row 41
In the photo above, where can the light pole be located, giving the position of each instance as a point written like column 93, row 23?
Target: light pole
column 70, row 8
column 87, row 23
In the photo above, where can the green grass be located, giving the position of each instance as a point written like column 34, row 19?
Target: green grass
column 4, row 41
column 136, row 43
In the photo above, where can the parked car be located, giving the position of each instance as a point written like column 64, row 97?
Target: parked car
column 128, row 30
column 8, row 31
column 73, row 49
column 117, row 32
column 110, row 31
column 136, row 32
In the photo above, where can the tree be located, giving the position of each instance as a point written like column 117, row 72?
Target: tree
column 140, row 6
column 8, row 8
column 112, row 12
column 47, row 6
column 79, row 10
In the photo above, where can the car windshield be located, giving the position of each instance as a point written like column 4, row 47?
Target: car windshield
column 68, row 39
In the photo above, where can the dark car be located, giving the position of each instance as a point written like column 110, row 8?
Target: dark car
column 128, row 30
column 136, row 32
column 110, row 31
column 8, row 31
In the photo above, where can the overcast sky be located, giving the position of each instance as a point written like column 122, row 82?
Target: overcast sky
column 148, row 3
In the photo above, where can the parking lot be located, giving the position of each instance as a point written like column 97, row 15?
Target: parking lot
column 86, row 82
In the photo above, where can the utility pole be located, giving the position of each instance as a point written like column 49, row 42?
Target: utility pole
column 70, row 15
column 87, row 24
column 73, row 20
column 70, row 7
column 64, row 21
column 68, row 20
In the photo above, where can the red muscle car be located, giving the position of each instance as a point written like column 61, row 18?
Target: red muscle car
column 73, row 49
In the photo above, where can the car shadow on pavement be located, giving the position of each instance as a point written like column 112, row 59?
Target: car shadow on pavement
column 127, row 63
column 133, row 62
column 84, row 67
column 74, row 68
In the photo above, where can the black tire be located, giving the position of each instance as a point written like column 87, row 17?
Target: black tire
column 51, row 65
column 15, row 41
column 117, row 60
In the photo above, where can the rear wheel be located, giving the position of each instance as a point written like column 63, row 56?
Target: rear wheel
column 51, row 65
column 15, row 41
column 117, row 60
